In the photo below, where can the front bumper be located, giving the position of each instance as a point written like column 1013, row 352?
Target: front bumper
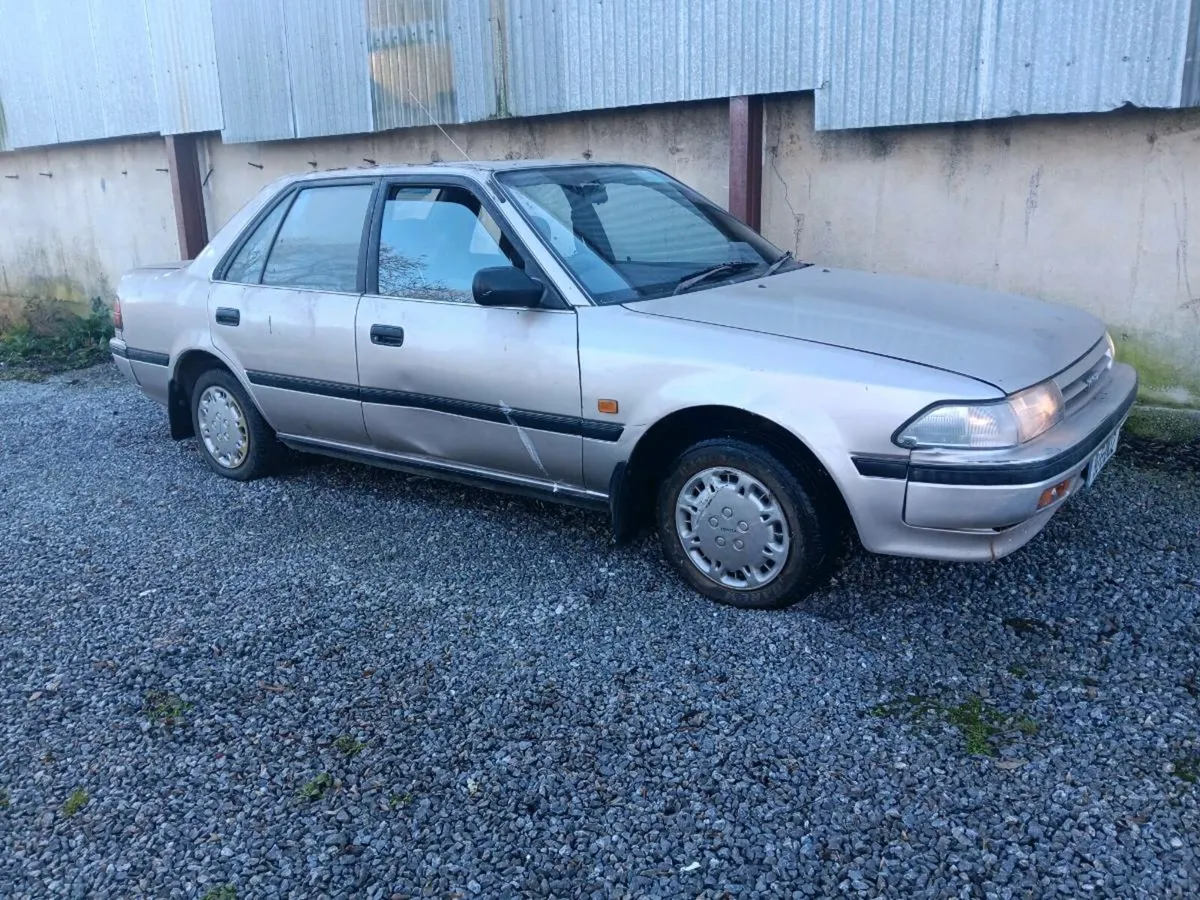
column 983, row 505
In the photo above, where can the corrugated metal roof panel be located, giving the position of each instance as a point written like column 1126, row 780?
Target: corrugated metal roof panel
column 253, row 66
column 73, row 89
column 889, row 63
column 530, row 37
column 23, row 90
column 327, row 62
column 1086, row 55
column 923, row 61
column 184, row 60
column 411, row 62
column 125, row 77
column 660, row 51
column 474, row 72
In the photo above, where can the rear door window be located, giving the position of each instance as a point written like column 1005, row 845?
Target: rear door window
column 319, row 244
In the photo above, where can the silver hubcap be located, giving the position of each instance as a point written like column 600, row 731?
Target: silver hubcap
column 223, row 427
column 732, row 528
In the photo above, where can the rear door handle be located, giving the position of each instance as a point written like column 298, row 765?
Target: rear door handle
column 227, row 316
column 387, row 335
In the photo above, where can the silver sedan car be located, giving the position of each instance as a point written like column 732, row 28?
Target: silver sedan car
column 603, row 335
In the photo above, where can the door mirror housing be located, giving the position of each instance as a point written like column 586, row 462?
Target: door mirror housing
column 506, row 286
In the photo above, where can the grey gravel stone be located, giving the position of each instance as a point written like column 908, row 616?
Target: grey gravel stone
column 542, row 714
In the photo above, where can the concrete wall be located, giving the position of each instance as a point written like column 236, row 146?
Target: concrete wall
column 689, row 141
column 101, row 208
column 1089, row 210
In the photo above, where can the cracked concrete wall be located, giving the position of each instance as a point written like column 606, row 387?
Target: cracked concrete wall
column 1091, row 210
column 74, row 218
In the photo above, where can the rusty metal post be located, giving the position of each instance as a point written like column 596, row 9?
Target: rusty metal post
column 746, row 159
column 187, row 194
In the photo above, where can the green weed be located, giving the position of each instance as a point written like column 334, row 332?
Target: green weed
column 1187, row 768
column 349, row 746
column 164, row 708
column 315, row 788
column 51, row 338
column 77, row 801
column 979, row 723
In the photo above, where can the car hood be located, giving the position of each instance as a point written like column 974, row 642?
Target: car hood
column 1005, row 340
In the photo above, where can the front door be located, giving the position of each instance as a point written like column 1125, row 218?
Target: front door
column 480, row 388
column 284, row 310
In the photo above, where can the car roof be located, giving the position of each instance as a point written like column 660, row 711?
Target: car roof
column 464, row 167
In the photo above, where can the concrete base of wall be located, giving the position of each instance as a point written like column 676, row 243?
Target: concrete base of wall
column 73, row 218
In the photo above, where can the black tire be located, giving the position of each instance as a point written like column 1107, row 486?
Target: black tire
column 263, row 454
column 803, row 498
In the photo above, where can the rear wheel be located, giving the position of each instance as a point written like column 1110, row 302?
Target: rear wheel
column 745, row 529
column 234, row 439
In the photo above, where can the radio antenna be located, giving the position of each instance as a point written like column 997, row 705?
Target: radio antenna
column 438, row 126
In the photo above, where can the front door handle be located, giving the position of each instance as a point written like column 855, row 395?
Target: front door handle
column 387, row 335
column 227, row 316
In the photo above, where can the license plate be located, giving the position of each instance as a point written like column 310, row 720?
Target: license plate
column 1102, row 455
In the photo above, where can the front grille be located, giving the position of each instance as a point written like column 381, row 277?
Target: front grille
column 1081, row 381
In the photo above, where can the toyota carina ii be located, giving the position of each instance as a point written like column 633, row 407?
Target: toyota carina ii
column 604, row 335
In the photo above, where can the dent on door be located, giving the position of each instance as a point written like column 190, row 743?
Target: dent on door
column 492, row 388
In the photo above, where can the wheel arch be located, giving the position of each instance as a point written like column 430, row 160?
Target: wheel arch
column 187, row 369
column 634, row 481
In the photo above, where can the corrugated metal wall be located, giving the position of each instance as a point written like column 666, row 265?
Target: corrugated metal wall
column 277, row 69
column 184, row 66
column 902, row 62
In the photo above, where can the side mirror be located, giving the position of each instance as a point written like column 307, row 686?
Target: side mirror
column 506, row 286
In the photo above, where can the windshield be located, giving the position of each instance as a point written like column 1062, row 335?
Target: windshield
column 628, row 233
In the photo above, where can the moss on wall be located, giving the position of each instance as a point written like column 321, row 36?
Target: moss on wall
column 1166, row 381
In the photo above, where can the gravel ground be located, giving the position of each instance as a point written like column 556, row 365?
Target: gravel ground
column 346, row 681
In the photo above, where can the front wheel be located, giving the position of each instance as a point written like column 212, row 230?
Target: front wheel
column 743, row 528
column 234, row 439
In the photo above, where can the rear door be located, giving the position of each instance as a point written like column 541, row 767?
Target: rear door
column 283, row 308
column 445, row 379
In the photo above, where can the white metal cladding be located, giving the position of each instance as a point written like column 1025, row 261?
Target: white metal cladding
column 256, row 93
column 327, row 63
column 892, row 62
column 410, row 60
column 72, row 88
column 474, row 72
column 28, row 118
column 622, row 54
column 1087, row 55
column 901, row 62
column 565, row 55
column 124, row 70
column 275, row 69
column 187, row 89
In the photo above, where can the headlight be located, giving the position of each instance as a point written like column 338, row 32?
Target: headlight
column 986, row 426
column 1111, row 350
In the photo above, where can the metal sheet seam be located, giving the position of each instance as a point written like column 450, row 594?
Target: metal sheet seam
column 989, row 27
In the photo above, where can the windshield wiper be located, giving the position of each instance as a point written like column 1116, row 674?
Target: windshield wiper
column 711, row 272
column 774, row 267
